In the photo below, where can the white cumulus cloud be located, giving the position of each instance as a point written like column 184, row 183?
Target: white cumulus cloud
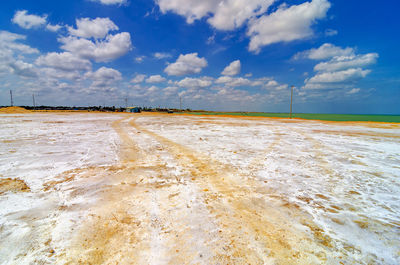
column 64, row 61
column 231, row 14
column 345, row 62
column 233, row 81
column 11, row 55
column 341, row 68
column 53, row 28
column 111, row 2
column 189, row 82
column 104, row 78
column 286, row 24
column 353, row 91
column 112, row 47
column 26, row 21
column 8, row 43
column 186, row 64
column 190, row 9
column 139, row 78
column 325, row 51
column 55, row 73
column 155, row 79
column 223, row 14
column 232, row 69
column 272, row 84
column 96, row 28
column 23, row 69
column 339, row 76
column 140, row 59
column 162, row 55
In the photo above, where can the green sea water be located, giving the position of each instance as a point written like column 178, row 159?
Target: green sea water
column 311, row 116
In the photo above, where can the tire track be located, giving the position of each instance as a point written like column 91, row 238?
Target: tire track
column 245, row 214
column 136, row 221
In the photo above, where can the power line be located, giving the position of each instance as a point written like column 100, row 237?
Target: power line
column 12, row 101
column 291, row 101
column 33, row 99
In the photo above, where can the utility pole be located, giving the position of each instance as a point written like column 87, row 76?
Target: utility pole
column 12, row 102
column 291, row 101
column 33, row 99
column 126, row 103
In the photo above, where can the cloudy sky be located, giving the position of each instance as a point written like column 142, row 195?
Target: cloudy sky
column 342, row 56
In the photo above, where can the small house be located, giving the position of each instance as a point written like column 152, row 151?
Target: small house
column 133, row 109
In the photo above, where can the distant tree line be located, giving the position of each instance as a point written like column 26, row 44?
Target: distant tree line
column 101, row 108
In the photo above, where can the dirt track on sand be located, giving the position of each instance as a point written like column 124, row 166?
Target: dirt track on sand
column 166, row 204
column 178, row 189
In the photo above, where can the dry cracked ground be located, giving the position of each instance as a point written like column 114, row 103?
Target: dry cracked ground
column 177, row 189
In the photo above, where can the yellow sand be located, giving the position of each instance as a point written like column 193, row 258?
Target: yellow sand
column 13, row 185
column 14, row 110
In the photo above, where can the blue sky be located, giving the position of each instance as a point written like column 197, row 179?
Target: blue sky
column 341, row 56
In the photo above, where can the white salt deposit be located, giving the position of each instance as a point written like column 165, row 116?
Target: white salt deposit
column 38, row 148
column 344, row 176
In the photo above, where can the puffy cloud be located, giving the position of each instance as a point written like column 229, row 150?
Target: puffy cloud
column 345, row 62
column 233, row 81
column 325, row 51
column 170, row 90
column 162, row 55
column 155, row 79
column 104, row 78
column 112, row 47
column 104, row 48
column 111, row 2
column 231, row 14
column 260, row 81
column 23, row 69
column 272, row 84
column 140, row 59
column 268, row 83
column 54, row 73
column 232, row 69
column 235, row 95
column 152, row 89
column 286, row 24
column 224, row 14
column 8, row 43
column 195, row 82
column 92, row 28
column 139, row 78
column 65, row 61
column 9, row 48
column 53, row 28
column 343, row 69
column 105, row 73
column 190, row 9
column 26, row 21
column 339, row 76
column 186, row 64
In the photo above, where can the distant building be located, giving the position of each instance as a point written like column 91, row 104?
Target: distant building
column 133, row 109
